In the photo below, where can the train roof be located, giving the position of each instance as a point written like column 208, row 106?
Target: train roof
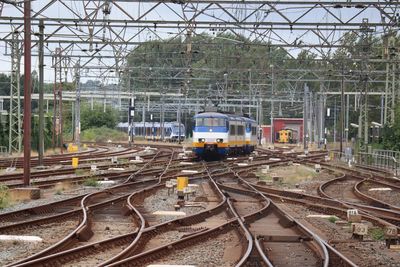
column 149, row 124
column 223, row 115
column 210, row 115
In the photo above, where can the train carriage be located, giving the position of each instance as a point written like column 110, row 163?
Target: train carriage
column 153, row 130
column 223, row 134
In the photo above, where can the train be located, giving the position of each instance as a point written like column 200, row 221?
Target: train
column 220, row 134
column 288, row 136
column 153, row 130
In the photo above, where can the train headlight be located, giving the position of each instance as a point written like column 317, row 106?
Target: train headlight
column 220, row 140
column 202, row 140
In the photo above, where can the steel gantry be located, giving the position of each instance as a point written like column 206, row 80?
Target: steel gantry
column 15, row 131
column 101, row 35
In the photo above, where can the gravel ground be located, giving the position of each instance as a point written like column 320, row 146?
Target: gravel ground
column 51, row 234
column 309, row 182
column 370, row 254
column 162, row 202
column 96, row 259
column 162, row 239
column 217, row 251
column 392, row 197
column 48, row 196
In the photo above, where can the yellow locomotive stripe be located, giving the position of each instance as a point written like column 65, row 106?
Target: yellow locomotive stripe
column 223, row 145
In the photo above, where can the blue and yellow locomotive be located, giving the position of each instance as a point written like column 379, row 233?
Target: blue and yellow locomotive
column 223, row 134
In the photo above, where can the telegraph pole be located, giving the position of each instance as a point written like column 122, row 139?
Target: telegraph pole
column 27, row 92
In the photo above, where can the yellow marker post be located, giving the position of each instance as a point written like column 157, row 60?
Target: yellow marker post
column 75, row 162
column 181, row 183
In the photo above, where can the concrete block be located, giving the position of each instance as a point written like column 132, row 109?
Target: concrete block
column 25, row 193
column 380, row 189
column 22, row 238
column 116, row 169
column 169, row 213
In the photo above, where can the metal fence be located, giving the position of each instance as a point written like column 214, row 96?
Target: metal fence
column 384, row 160
column 387, row 153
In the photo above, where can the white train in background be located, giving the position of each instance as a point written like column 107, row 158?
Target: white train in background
column 153, row 130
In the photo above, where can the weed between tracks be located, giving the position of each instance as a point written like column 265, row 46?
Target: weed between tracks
column 377, row 233
column 91, row 181
column 4, row 196
column 332, row 219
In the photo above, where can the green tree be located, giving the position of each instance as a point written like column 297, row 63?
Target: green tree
column 391, row 134
column 97, row 117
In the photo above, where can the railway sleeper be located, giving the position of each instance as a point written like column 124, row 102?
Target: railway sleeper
column 285, row 238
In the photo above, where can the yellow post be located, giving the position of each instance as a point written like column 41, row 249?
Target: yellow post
column 75, row 162
column 181, row 183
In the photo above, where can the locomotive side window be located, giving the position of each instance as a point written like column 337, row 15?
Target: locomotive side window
column 199, row 122
column 232, row 130
column 240, row 130
column 253, row 130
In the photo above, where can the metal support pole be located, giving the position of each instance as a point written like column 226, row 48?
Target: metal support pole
column 272, row 104
column 305, row 117
column 162, row 118
column 41, row 89
column 179, row 118
column 334, row 123
column 347, row 117
column 27, row 92
column 77, row 106
column 341, row 111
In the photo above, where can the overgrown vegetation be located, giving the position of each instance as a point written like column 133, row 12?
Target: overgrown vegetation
column 91, row 181
column 391, row 134
column 103, row 134
column 377, row 233
column 98, row 117
column 332, row 219
column 80, row 172
column 4, row 197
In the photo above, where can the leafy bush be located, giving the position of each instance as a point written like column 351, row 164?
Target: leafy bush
column 332, row 219
column 97, row 117
column 377, row 233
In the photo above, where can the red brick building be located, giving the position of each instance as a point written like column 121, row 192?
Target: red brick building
column 295, row 124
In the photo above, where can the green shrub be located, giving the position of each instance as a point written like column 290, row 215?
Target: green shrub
column 79, row 172
column 92, row 181
column 103, row 134
column 332, row 219
column 377, row 233
column 4, row 196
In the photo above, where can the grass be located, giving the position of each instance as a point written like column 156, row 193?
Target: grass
column 91, row 181
column 4, row 197
column 103, row 134
column 58, row 192
column 377, row 233
column 80, row 172
column 332, row 219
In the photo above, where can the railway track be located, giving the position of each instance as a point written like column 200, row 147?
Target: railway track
column 232, row 218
